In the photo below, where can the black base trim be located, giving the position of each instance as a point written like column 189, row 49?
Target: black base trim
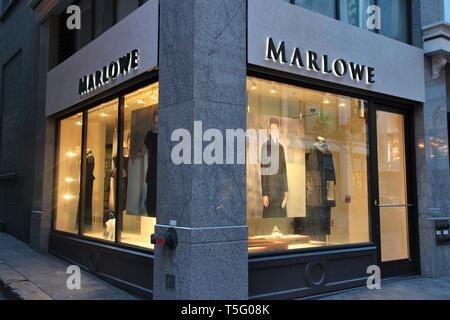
column 129, row 270
column 309, row 274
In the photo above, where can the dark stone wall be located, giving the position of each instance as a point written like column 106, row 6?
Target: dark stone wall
column 19, row 42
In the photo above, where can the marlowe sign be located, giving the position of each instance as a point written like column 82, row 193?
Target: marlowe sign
column 123, row 52
column 312, row 62
column 111, row 72
column 295, row 40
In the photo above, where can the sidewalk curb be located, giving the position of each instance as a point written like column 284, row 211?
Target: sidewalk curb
column 16, row 287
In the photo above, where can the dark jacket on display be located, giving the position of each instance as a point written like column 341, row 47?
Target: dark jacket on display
column 151, row 143
column 319, row 172
column 274, row 185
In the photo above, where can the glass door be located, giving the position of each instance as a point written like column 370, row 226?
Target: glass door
column 394, row 206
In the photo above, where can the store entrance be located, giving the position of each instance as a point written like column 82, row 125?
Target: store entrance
column 394, row 204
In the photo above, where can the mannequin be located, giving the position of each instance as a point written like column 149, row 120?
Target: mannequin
column 321, row 181
column 151, row 143
column 90, row 166
column 275, row 191
column 89, row 189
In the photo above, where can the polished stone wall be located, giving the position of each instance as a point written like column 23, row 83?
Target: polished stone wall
column 433, row 173
column 19, row 42
column 202, row 78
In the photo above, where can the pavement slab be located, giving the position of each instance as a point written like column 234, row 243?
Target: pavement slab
column 28, row 275
column 415, row 288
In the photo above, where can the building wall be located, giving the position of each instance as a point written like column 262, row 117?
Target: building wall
column 432, row 160
column 18, row 68
column 27, row 137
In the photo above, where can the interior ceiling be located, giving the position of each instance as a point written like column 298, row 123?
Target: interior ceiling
column 268, row 88
column 107, row 112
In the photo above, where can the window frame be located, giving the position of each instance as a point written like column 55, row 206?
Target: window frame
column 373, row 99
column 377, row 2
column 4, row 10
column 93, row 23
column 281, row 78
column 118, row 94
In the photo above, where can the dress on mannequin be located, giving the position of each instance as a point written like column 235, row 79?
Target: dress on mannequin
column 137, row 165
column 88, row 189
column 321, row 179
column 124, row 182
column 151, row 143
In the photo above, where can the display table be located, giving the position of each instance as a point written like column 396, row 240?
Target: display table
column 260, row 244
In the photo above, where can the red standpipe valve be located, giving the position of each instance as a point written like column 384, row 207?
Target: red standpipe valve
column 169, row 239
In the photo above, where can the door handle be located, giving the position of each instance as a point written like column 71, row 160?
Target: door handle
column 392, row 205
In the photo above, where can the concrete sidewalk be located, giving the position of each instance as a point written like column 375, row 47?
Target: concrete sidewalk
column 28, row 275
column 417, row 288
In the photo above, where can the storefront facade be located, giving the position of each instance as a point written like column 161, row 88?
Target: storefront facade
column 339, row 104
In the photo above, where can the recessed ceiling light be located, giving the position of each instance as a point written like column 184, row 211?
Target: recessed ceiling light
column 273, row 90
column 68, row 197
column 326, row 101
column 254, row 87
column 71, row 154
column 104, row 115
column 141, row 101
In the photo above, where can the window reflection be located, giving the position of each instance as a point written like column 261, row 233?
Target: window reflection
column 98, row 204
column 140, row 159
column 326, row 7
column 354, row 12
column 319, row 194
column 68, row 174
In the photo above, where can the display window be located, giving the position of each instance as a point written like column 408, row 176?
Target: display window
column 106, row 185
column 68, row 176
column 140, row 166
column 318, row 196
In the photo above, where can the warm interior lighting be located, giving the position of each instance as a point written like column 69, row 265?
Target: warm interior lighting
column 79, row 123
column 71, row 154
column 273, row 90
column 141, row 101
column 69, row 180
column 254, row 87
column 68, row 197
column 153, row 97
column 104, row 115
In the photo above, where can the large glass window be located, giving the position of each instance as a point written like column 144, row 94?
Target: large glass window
column 101, row 147
column 97, row 16
column 84, row 35
column 394, row 14
column 326, row 7
column 118, row 184
column 354, row 12
column 68, row 174
column 309, row 185
column 125, row 7
column 394, row 19
column 104, row 16
column 139, row 163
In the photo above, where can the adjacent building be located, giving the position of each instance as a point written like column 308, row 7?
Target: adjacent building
column 95, row 168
